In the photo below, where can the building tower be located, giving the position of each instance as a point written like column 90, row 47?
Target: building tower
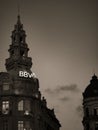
column 21, row 104
column 90, row 105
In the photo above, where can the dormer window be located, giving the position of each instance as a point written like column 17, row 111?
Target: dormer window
column 5, row 86
column 5, row 107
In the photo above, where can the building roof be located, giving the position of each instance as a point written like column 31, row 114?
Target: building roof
column 92, row 89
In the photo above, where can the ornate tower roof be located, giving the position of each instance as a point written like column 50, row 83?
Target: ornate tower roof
column 18, row 50
column 92, row 88
column 21, row 104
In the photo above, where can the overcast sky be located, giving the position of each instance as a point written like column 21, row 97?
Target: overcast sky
column 62, row 37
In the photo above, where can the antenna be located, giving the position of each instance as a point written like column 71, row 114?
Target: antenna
column 96, row 41
column 18, row 6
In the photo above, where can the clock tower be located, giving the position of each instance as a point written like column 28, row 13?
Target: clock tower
column 21, row 105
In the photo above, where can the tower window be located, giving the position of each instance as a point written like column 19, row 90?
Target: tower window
column 22, row 53
column 5, row 107
column 5, row 125
column 20, row 125
column 20, row 105
column 21, row 39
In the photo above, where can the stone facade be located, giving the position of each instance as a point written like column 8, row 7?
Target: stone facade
column 21, row 105
column 90, row 105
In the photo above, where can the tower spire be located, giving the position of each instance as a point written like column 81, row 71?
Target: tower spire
column 18, row 19
column 18, row 50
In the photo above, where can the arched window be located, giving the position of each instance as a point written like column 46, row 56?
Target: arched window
column 24, row 105
column 20, row 105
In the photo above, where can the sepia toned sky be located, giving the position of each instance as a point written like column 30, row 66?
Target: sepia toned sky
column 63, row 40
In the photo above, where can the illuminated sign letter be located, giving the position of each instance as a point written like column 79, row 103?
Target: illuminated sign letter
column 25, row 74
column 21, row 73
column 30, row 75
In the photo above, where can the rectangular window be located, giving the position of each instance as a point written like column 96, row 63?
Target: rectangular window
column 27, row 125
column 20, row 105
column 5, row 125
column 20, row 125
column 27, row 105
column 5, row 86
column 5, row 107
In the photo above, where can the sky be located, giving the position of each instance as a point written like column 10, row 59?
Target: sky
column 63, row 40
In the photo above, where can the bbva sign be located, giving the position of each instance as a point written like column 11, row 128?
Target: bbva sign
column 26, row 74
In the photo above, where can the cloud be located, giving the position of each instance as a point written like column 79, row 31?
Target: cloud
column 49, row 91
column 79, row 110
column 71, row 88
column 60, row 89
column 64, row 99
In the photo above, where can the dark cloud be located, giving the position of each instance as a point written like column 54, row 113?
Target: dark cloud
column 60, row 89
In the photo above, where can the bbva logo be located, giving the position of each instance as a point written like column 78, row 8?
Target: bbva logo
column 26, row 74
